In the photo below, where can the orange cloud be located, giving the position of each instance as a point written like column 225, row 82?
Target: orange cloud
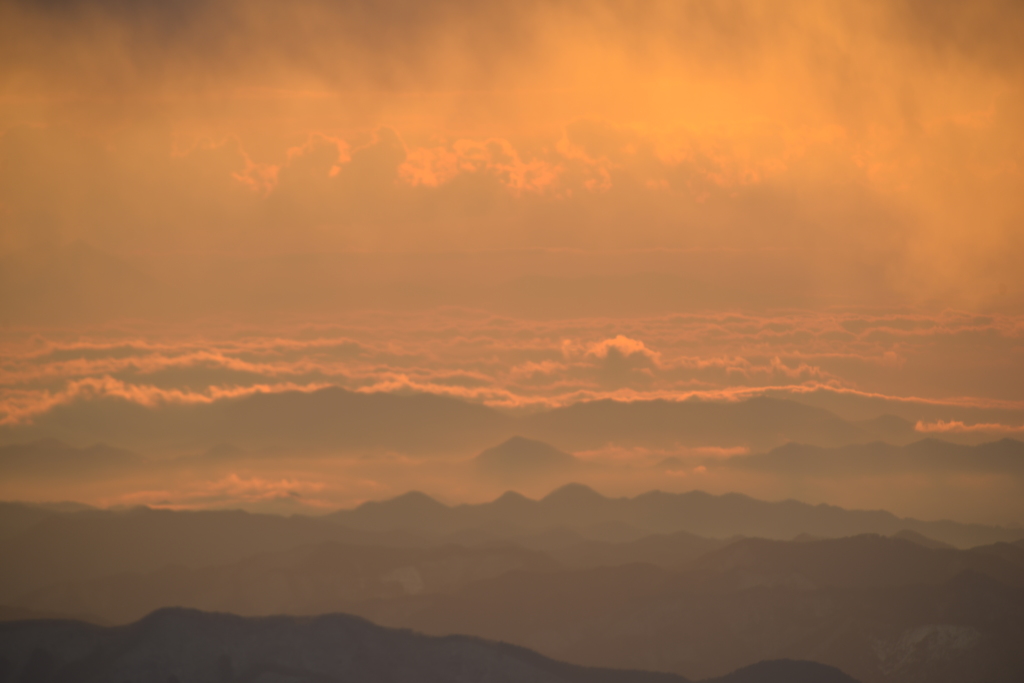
column 435, row 166
column 958, row 427
column 518, row 363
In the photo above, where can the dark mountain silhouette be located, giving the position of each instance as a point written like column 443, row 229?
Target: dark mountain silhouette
column 518, row 459
column 574, row 525
column 338, row 419
column 785, row 671
column 329, row 577
column 860, row 561
column 920, row 539
column 187, row 645
column 883, row 609
column 755, row 601
column 578, row 507
column 1010, row 552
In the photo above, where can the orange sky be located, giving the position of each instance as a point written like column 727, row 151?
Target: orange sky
column 750, row 194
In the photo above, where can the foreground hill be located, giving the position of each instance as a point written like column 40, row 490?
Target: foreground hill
column 181, row 645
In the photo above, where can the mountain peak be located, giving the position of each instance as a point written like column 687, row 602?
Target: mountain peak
column 573, row 494
column 520, row 456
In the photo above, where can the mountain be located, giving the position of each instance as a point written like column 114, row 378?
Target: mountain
column 312, row 579
column 331, row 418
column 785, row 671
column 335, row 419
column 861, row 561
column 920, row 539
column 758, row 423
column 883, row 610
column 221, row 647
column 663, row 550
column 84, row 545
column 577, row 507
column 518, row 459
column 328, row 577
column 186, row 645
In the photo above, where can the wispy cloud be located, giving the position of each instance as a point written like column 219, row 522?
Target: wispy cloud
column 958, row 427
column 522, row 363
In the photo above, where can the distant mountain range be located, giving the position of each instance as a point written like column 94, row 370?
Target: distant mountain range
column 334, row 419
column 578, row 507
column 519, row 459
column 576, row 576
column 176, row 645
column 46, row 546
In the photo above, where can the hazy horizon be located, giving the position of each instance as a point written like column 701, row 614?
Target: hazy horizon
column 746, row 272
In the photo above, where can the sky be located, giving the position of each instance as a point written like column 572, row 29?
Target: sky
column 525, row 204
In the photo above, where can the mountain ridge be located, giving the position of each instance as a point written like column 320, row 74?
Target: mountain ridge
column 334, row 417
column 696, row 512
column 323, row 649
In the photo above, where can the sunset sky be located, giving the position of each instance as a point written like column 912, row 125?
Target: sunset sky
column 524, row 204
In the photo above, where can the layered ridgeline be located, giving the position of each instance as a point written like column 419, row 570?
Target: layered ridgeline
column 181, row 645
column 40, row 545
column 580, row 508
column 928, row 478
column 622, row 583
column 519, row 457
column 335, row 419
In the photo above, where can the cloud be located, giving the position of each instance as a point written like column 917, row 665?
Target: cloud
column 22, row 406
column 435, row 166
column 232, row 490
column 958, row 427
column 899, row 360
column 174, row 131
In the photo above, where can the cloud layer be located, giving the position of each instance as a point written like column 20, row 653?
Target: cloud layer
column 851, row 152
column 901, row 361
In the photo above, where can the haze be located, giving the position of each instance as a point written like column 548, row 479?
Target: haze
column 512, row 341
